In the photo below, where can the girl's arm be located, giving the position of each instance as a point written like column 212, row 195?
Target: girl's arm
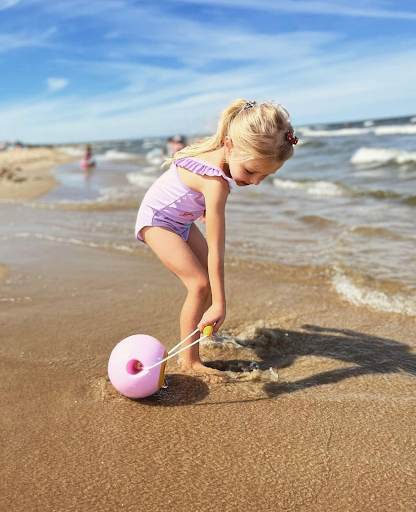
column 215, row 190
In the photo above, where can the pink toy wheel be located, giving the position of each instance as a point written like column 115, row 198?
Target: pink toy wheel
column 128, row 362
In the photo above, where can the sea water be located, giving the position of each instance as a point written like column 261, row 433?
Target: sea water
column 344, row 206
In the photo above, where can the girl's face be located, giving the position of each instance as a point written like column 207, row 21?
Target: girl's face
column 250, row 172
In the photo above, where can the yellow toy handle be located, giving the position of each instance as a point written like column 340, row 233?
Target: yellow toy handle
column 208, row 330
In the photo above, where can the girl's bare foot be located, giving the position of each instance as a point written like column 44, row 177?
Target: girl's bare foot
column 198, row 368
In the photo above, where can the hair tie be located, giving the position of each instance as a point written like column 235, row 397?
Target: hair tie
column 248, row 104
column 291, row 138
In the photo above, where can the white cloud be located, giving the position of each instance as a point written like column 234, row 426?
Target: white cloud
column 79, row 8
column 157, row 101
column 6, row 4
column 18, row 40
column 338, row 7
column 56, row 84
column 318, row 76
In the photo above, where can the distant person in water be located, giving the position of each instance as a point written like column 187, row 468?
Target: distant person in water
column 88, row 152
column 175, row 144
column 88, row 161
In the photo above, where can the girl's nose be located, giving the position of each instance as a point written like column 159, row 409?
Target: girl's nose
column 255, row 180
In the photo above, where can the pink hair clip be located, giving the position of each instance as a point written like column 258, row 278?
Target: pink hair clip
column 291, row 138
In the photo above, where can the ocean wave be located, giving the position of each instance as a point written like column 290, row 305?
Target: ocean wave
column 111, row 198
column 113, row 154
column 142, row 179
column 341, row 132
column 317, row 220
column 156, row 157
column 314, row 188
column 376, row 231
column 76, row 241
column 74, row 205
column 332, row 189
column 316, row 143
column 411, row 200
column 118, row 195
column 397, row 129
column 73, row 151
column 375, row 299
column 376, row 156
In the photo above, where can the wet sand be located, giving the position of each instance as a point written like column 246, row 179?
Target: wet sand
column 334, row 431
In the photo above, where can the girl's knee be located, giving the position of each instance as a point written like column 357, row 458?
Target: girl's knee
column 200, row 287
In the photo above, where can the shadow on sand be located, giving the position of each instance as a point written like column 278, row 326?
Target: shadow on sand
column 280, row 348
column 180, row 390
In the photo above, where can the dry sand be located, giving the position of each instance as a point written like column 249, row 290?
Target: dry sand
column 334, row 432
column 24, row 171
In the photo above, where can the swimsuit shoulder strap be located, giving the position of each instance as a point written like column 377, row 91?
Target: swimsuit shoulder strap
column 198, row 167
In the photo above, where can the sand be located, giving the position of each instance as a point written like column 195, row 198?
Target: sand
column 333, row 432
column 24, row 171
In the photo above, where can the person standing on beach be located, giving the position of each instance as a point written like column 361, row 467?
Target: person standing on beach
column 252, row 142
column 175, row 144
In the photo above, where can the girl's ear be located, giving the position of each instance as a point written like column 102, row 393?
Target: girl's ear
column 228, row 143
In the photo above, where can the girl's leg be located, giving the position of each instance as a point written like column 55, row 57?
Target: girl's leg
column 179, row 258
column 199, row 247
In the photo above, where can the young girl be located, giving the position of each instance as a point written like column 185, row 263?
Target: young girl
column 252, row 142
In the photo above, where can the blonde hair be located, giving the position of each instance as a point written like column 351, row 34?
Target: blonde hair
column 259, row 131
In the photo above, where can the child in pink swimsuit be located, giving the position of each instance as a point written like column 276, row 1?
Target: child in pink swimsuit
column 170, row 203
column 252, row 142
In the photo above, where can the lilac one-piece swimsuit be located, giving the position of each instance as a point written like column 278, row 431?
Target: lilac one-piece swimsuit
column 170, row 203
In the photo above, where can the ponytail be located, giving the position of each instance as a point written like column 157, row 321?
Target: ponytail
column 256, row 130
column 216, row 141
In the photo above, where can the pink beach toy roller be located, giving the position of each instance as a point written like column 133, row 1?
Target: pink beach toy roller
column 137, row 364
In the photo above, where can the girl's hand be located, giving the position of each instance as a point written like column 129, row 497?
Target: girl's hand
column 215, row 316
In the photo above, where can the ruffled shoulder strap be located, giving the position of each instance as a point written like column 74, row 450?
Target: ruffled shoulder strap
column 197, row 167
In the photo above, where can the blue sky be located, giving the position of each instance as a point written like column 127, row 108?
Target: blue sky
column 77, row 70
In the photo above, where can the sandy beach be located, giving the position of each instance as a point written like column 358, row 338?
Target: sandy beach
column 24, row 171
column 329, row 428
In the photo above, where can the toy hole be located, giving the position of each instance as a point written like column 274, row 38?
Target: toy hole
column 132, row 367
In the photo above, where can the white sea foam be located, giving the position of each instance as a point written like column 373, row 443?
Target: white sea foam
column 111, row 195
column 370, row 156
column 374, row 299
column 314, row 188
column 75, row 241
column 73, row 151
column 398, row 129
column 342, row 132
column 112, row 154
column 16, row 299
column 156, row 157
column 413, row 120
column 368, row 123
column 141, row 179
